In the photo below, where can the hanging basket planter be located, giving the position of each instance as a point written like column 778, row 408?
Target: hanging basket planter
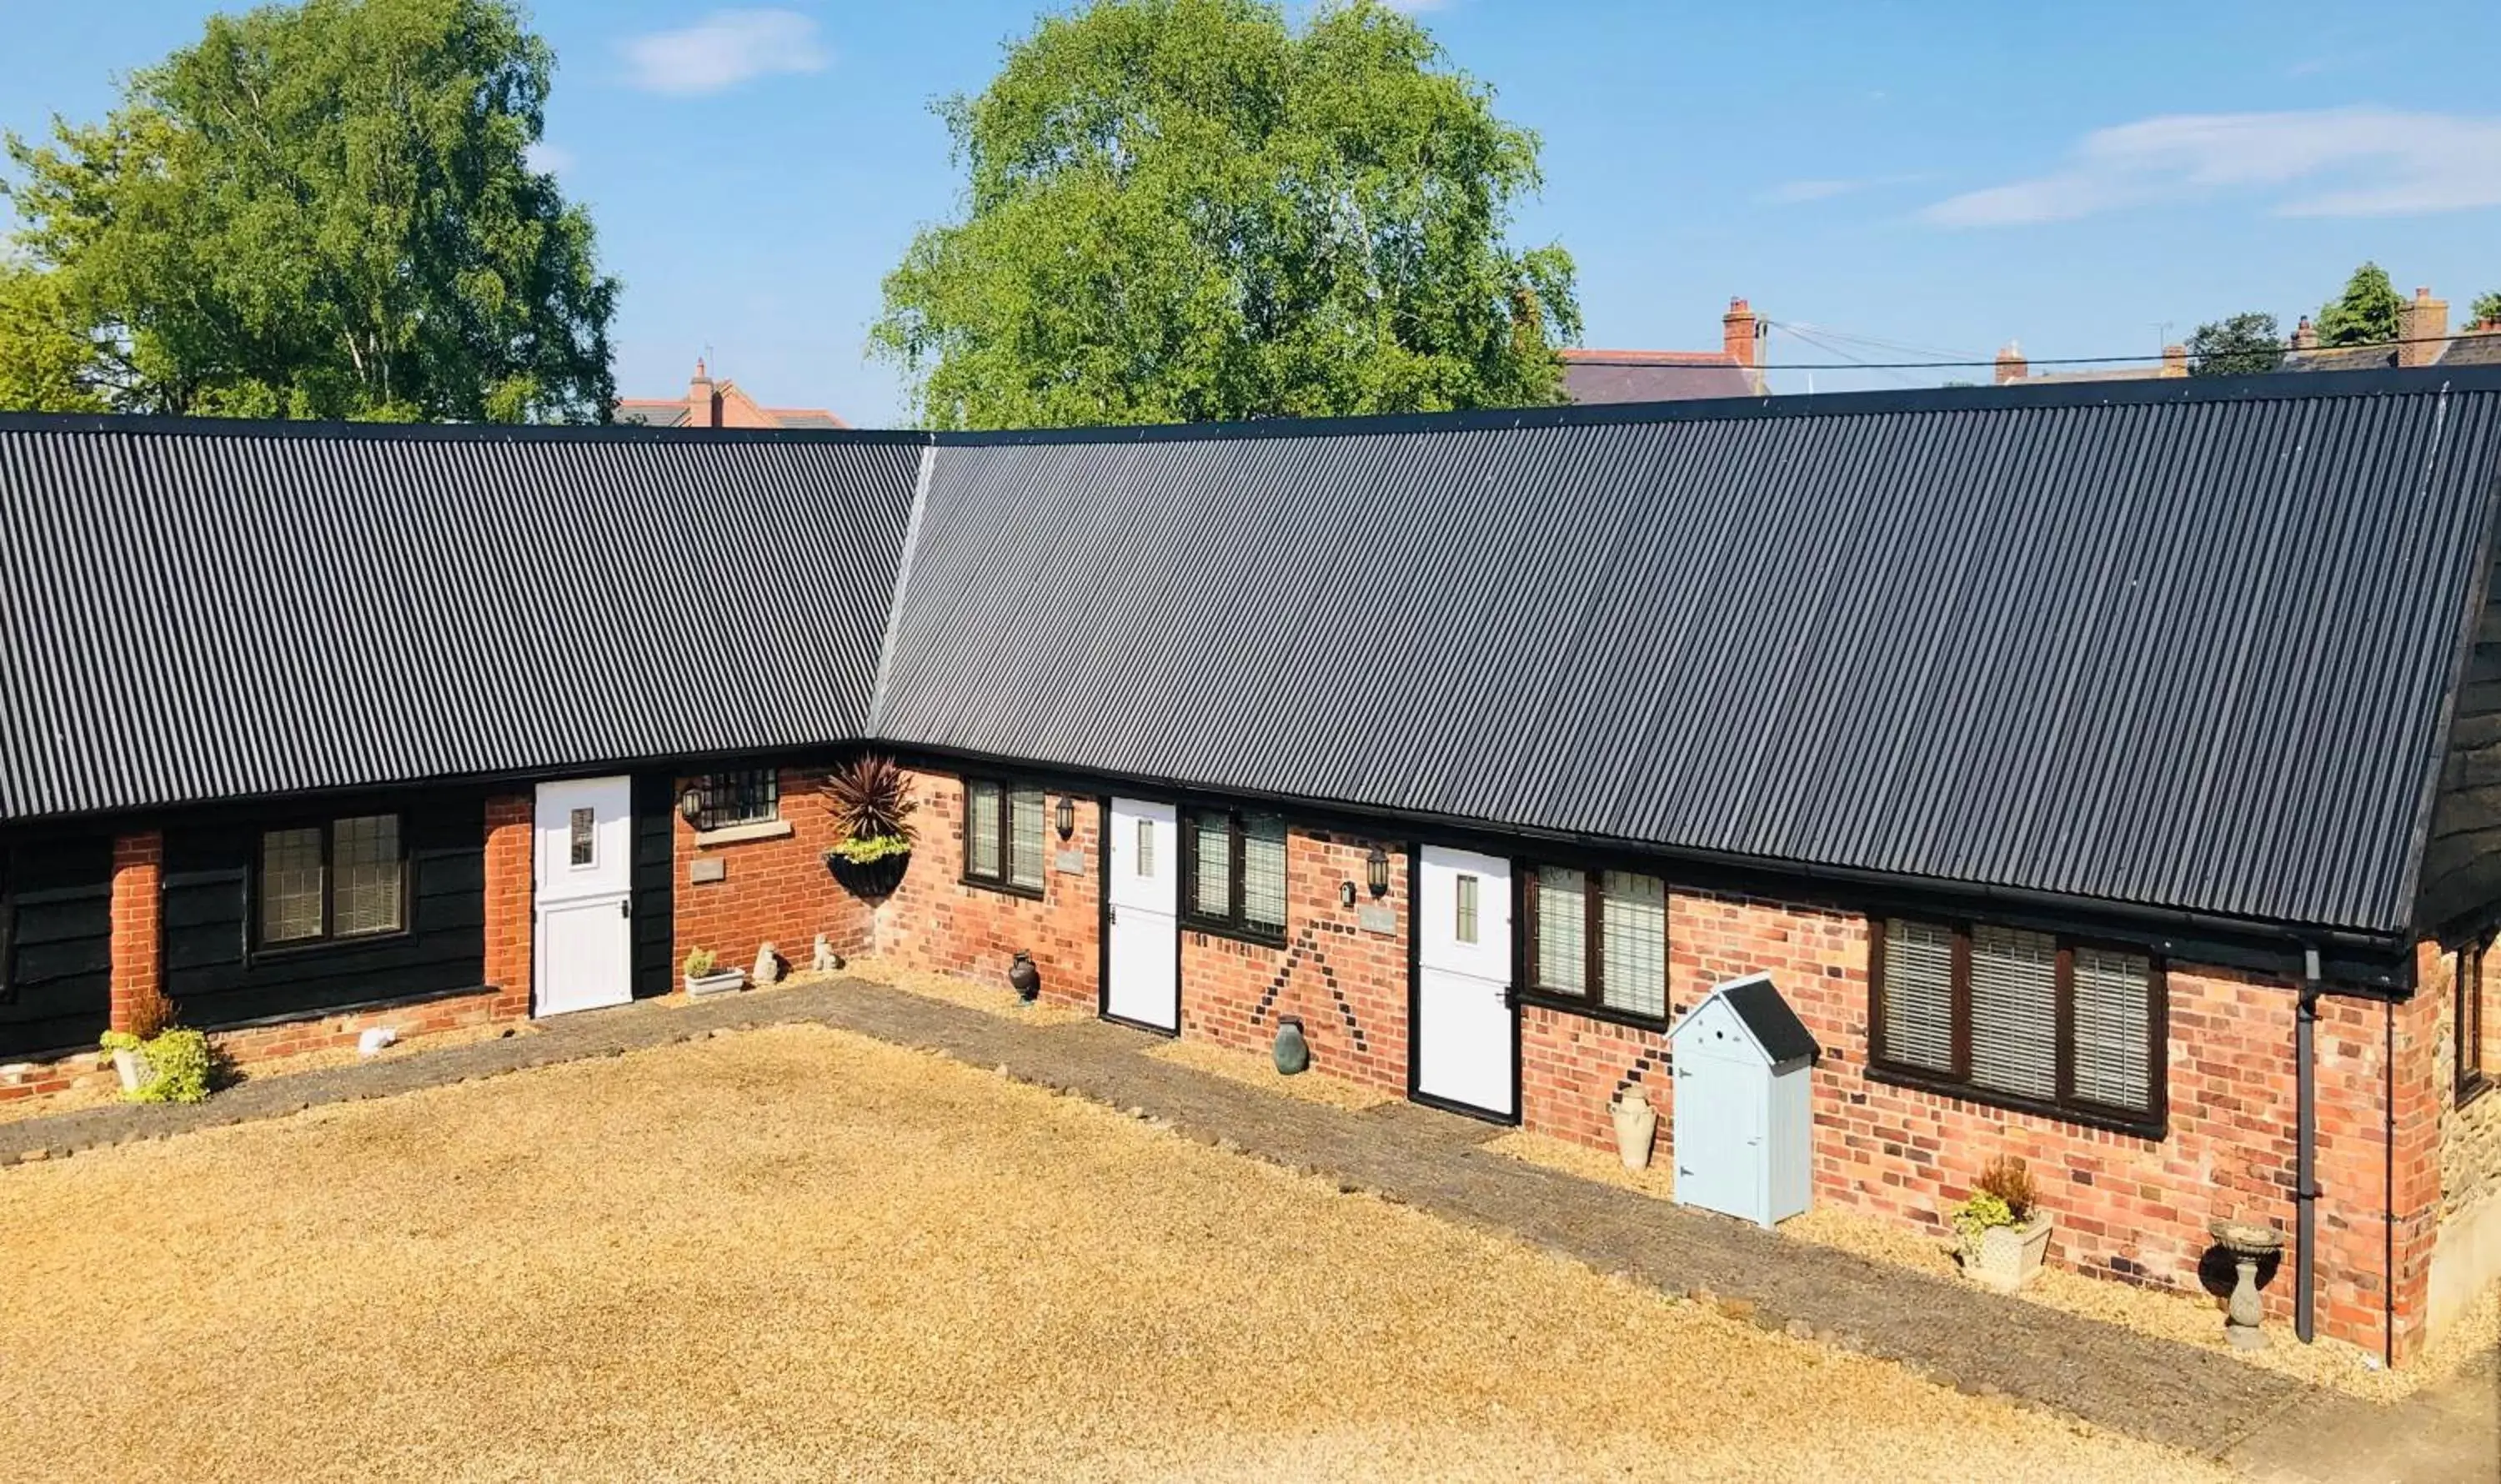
column 872, row 880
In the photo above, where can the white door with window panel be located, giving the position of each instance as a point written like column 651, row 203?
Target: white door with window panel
column 1143, row 871
column 1467, row 1024
column 582, row 878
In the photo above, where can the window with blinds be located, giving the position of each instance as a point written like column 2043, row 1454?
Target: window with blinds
column 1236, row 873
column 2467, row 1024
column 2021, row 1018
column 1599, row 938
column 344, row 879
column 1003, row 835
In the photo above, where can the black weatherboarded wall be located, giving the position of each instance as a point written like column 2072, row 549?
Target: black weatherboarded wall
column 55, row 944
column 216, row 974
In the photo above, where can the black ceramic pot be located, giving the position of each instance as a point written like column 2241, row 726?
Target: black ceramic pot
column 1024, row 977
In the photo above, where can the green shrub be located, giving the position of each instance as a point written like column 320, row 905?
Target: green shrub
column 179, row 1064
column 1980, row 1213
column 860, row 849
column 699, row 963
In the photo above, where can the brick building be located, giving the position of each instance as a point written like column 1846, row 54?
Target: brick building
column 710, row 403
column 2088, row 767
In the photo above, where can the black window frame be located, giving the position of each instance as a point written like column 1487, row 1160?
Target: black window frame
column 2470, row 1078
column 1234, row 921
column 1591, row 1000
column 745, row 787
column 256, row 922
column 1004, row 882
column 2153, row 1122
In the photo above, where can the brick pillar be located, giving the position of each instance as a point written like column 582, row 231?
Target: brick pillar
column 2420, row 1095
column 137, row 869
column 509, row 822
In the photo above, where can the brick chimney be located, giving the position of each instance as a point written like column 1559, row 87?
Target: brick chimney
column 703, row 399
column 2426, row 328
column 2011, row 366
column 2305, row 335
column 2175, row 360
column 1739, row 331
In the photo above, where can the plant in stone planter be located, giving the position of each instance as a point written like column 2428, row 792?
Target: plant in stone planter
column 2000, row 1232
column 872, row 807
column 704, row 975
column 159, row 1060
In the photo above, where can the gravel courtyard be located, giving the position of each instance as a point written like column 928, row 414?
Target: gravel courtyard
column 797, row 1254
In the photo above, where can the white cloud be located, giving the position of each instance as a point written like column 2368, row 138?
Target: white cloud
column 547, row 158
column 1800, row 193
column 723, row 49
column 2319, row 163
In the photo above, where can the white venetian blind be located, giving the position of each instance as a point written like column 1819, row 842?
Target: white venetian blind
column 1562, row 931
column 1263, row 871
column 1212, row 846
column 1025, row 837
column 2114, row 1053
column 1632, row 922
column 982, row 829
column 1918, row 996
column 2015, row 1012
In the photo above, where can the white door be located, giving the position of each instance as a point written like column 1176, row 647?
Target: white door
column 1718, row 1134
column 582, row 878
column 1467, row 1027
column 1144, row 875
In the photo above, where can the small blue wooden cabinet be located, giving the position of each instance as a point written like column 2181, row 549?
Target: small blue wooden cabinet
column 1744, row 1130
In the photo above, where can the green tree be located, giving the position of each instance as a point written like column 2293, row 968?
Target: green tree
column 45, row 361
column 1188, row 210
column 2486, row 310
column 2368, row 312
column 2240, row 345
column 328, row 211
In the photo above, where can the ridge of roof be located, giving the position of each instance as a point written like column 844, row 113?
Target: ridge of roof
column 2256, row 388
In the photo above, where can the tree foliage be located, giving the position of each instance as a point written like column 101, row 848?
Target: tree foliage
column 1188, row 210
column 44, row 357
column 2238, row 345
column 2486, row 310
column 2369, row 312
column 326, row 211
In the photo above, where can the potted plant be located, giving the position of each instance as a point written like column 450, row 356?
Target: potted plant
column 159, row 1060
column 2000, row 1232
column 872, row 808
column 706, row 976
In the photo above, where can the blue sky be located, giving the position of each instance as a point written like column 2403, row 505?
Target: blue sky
column 1938, row 176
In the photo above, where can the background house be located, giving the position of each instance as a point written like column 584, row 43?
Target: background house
column 719, row 404
column 1593, row 378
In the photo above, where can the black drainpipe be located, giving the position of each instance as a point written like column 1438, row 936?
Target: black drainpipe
column 2305, row 1175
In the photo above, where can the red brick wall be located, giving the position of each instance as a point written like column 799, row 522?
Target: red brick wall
column 2126, row 1207
column 936, row 922
column 510, row 820
column 1347, row 986
column 775, row 890
column 137, row 861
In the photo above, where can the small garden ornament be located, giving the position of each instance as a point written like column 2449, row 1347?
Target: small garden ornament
column 1636, row 1128
column 1023, row 977
column 1292, row 1054
column 768, row 964
column 2249, row 1244
column 2001, row 1233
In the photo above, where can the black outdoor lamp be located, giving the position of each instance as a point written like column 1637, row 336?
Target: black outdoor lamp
column 691, row 804
column 1377, row 866
column 1065, row 817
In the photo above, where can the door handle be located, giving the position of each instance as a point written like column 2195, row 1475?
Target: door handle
column 625, row 907
column 1111, row 914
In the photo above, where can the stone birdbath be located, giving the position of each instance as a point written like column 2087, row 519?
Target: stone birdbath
column 2249, row 1244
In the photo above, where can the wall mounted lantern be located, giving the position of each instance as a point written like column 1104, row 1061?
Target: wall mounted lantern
column 1377, row 866
column 1346, row 894
column 691, row 804
column 1066, row 816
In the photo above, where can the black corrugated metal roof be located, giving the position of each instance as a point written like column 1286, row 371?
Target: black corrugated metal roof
column 2184, row 644
column 1768, row 1018
column 198, row 610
